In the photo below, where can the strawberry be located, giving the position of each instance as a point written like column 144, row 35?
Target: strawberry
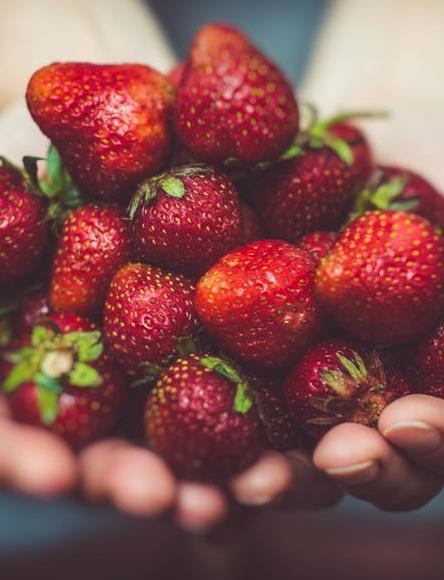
column 258, row 303
column 317, row 244
column 94, row 244
column 32, row 309
column 60, row 377
column 185, row 219
column 339, row 381
column 23, row 226
column 279, row 428
column 420, row 195
column 175, row 74
column 147, row 311
column 251, row 228
column 383, row 279
column 201, row 418
column 108, row 122
column 424, row 363
column 363, row 162
column 300, row 195
column 232, row 103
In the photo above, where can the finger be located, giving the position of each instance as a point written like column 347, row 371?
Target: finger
column 415, row 424
column 263, row 482
column 133, row 479
column 200, row 506
column 35, row 461
column 368, row 467
column 310, row 489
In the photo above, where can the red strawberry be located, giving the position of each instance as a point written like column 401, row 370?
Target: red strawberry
column 108, row 122
column 424, row 198
column 252, row 229
column 363, row 162
column 317, row 244
column 23, row 227
column 201, row 418
column 279, row 427
column 338, row 381
column 258, row 303
column 186, row 219
column 94, row 244
column 146, row 312
column 424, row 363
column 309, row 192
column 176, row 73
column 232, row 102
column 383, row 279
column 60, row 378
column 32, row 309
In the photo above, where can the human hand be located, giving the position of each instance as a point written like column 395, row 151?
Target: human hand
column 34, row 461
column 137, row 481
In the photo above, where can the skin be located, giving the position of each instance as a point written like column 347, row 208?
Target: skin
column 398, row 467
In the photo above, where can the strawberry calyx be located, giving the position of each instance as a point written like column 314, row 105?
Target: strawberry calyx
column 380, row 195
column 243, row 400
column 55, row 184
column 358, row 392
column 171, row 183
column 315, row 133
column 51, row 360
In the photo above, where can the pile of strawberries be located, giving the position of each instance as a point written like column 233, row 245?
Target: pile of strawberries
column 197, row 264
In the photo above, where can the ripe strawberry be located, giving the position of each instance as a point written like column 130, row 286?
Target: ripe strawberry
column 363, row 162
column 94, row 244
column 109, row 122
column 186, row 219
column 60, row 377
column 251, row 228
column 201, row 418
column 424, row 199
column 23, row 227
column 175, row 74
column 279, row 427
column 424, row 363
column 146, row 312
column 232, row 102
column 32, row 309
column 317, row 244
column 258, row 303
column 383, row 279
column 338, row 381
column 300, row 195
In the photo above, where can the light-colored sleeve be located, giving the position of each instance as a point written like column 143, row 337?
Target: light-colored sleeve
column 34, row 33
column 386, row 54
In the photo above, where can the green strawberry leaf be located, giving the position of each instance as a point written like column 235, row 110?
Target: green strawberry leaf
column 385, row 194
column 41, row 335
column 48, row 404
column 10, row 164
column 22, row 372
column 83, row 375
column 404, row 204
column 340, row 147
column 172, row 186
column 48, row 383
column 5, row 332
column 151, row 370
column 87, row 345
column 293, row 151
column 242, row 400
column 146, row 192
column 335, row 380
column 355, row 371
column 222, row 367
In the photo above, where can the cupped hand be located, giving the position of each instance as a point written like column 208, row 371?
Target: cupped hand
column 137, row 481
column 399, row 466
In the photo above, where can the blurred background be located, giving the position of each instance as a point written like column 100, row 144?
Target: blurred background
column 367, row 53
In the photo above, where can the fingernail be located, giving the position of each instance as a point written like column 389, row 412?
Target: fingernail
column 255, row 500
column 414, row 436
column 355, row 474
